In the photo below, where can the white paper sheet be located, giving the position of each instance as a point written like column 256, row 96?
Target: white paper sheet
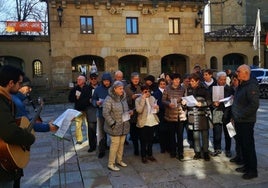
column 125, row 116
column 228, row 101
column 231, row 129
column 64, row 121
column 217, row 93
column 190, row 100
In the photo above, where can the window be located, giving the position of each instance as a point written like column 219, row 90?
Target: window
column 174, row 25
column 132, row 25
column 37, row 68
column 86, row 25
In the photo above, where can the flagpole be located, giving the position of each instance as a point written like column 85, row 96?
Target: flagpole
column 259, row 47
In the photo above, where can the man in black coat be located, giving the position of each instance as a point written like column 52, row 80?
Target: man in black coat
column 244, row 110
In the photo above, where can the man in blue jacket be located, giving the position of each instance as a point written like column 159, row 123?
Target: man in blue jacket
column 98, row 97
column 244, row 110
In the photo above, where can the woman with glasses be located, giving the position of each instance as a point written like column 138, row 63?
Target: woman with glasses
column 147, row 108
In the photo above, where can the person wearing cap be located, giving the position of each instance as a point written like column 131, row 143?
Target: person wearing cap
column 21, row 111
column 116, row 126
column 98, row 97
column 91, row 114
column 80, row 96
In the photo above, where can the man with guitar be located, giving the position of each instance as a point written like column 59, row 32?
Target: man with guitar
column 18, row 100
column 11, row 135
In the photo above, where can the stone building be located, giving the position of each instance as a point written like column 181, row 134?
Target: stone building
column 229, row 42
column 146, row 36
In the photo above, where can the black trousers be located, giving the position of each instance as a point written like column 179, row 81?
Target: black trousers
column 134, row 135
column 245, row 136
column 146, row 139
column 92, row 139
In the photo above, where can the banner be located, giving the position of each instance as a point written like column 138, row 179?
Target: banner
column 20, row 26
column 256, row 40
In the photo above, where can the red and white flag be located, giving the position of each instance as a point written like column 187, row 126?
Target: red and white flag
column 256, row 40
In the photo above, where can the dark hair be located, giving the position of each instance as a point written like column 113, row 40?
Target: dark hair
column 145, row 87
column 8, row 73
column 209, row 71
column 194, row 76
column 161, row 80
column 186, row 76
column 175, row 75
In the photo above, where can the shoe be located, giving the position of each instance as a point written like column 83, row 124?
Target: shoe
column 197, row 156
column 237, row 160
column 101, row 155
column 113, row 167
column 180, row 157
column 144, row 160
column 228, row 154
column 241, row 169
column 91, row 150
column 215, row 153
column 250, row 175
column 79, row 142
column 121, row 163
column 206, row 156
column 126, row 143
column 151, row 158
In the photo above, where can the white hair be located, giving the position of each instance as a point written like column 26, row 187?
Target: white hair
column 219, row 74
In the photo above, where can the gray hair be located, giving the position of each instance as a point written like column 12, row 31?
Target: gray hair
column 219, row 74
column 134, row 74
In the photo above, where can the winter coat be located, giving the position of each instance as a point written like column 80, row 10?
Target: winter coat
column 101, row 92
column 198, row 116
column 172, row 114
column 10, row 132
column 83, row 102
column 113, row 108
column 141, row 108
column 131, row 90
column 246, row 102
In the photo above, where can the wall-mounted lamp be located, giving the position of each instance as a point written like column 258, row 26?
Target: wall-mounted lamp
column 198, row 20
column 60, row 11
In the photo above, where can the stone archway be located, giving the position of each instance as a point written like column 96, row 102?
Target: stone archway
column 13, row 61
column 133, row 63
column 82, row 65
column 232, row 61
column 174, row 63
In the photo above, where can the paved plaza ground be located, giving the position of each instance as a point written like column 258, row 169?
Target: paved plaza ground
column 61, row 163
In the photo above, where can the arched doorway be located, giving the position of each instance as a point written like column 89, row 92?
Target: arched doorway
column 82, row 65
column 232, row 61
column 133, row 63
column 174, row 63
column 13, row 61
column 214, row 63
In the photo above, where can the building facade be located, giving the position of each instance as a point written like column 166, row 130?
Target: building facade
column 146, row 36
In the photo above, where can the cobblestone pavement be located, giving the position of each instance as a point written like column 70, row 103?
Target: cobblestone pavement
column 61, row 163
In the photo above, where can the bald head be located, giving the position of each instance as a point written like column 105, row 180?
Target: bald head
column 243, row 72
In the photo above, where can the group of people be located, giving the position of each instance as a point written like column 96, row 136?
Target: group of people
column 151, row 112
column 148, row 112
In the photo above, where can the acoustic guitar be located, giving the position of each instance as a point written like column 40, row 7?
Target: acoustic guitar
column 12, row 156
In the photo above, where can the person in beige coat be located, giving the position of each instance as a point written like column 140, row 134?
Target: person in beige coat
column 146, row 106
column 116, row 114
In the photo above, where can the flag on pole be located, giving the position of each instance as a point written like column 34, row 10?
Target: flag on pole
column 256, row 40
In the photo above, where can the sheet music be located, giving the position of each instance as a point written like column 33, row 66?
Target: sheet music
column 64, row 121
column 231, row 129
column 190, row 100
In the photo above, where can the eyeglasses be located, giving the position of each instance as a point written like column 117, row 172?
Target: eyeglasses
column 145, row 91
column 93, row 78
